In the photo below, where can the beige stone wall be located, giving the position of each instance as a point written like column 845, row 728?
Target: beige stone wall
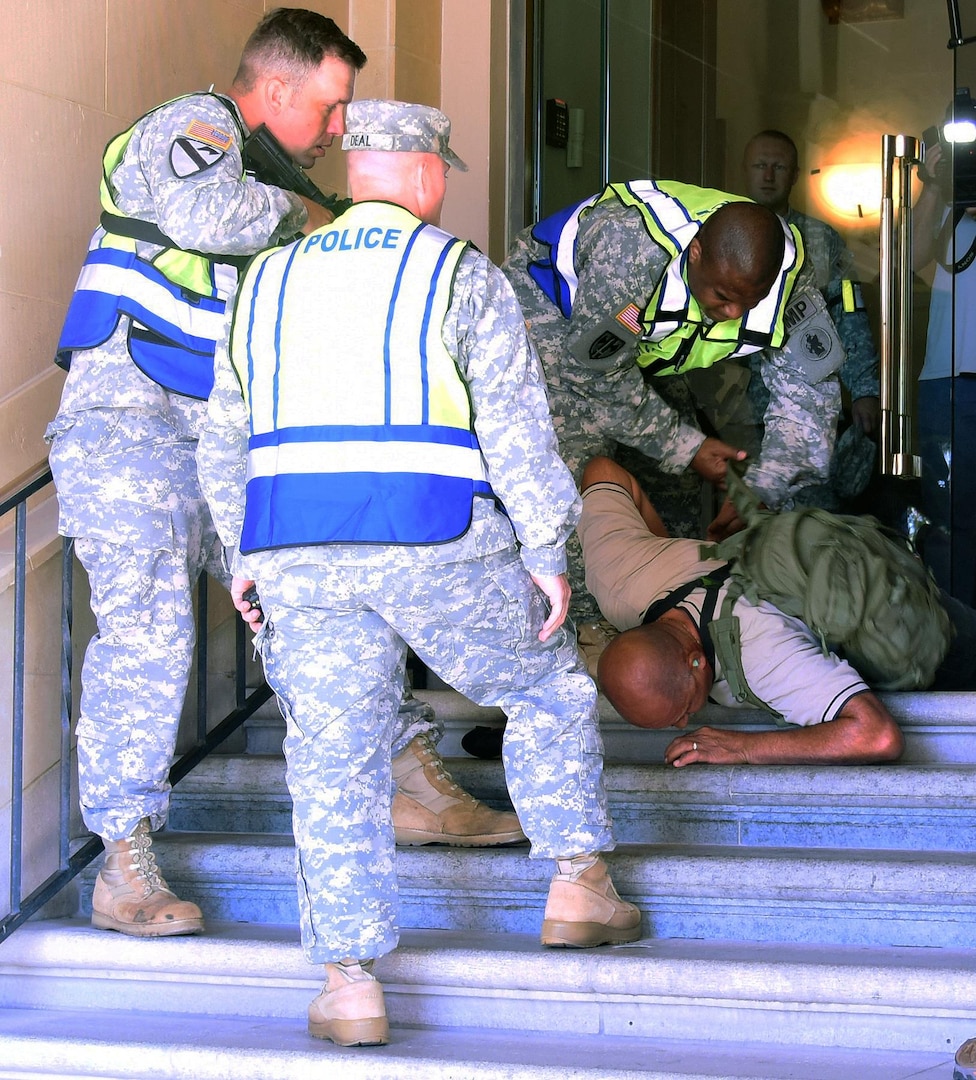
column 465, row 63
column 75, row 72
column 439, row 52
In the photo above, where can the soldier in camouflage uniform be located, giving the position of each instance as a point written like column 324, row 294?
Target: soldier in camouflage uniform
column 139, row 339
column 770, row 168
column 618, row 269
column 435, row 518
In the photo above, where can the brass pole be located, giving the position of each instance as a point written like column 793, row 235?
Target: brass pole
column 904, row 462
column 895, row 449
column 887, row 273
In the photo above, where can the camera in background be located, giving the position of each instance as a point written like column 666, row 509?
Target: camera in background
column 956, row 171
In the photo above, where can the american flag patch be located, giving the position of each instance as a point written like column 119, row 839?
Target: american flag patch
column 199, row 129
column 630, row 317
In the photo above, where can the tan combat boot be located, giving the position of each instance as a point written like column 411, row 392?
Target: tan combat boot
column 430, row 808
column 350, row 1010
column 583, row 908
column 965, row 1061
column 132, row 897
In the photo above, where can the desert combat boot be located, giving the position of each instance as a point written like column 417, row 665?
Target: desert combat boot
column 131, row 896
column 350, row 1010
column 430, row 808
column 583, row 908
column 965, row 1061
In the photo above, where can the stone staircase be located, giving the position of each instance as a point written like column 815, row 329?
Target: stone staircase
column 802, row 923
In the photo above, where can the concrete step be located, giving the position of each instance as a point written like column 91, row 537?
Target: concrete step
column 669, row 1008
column 940, row 728
column 784, row 894
column 900, row 807
column 897, row 807
column 60, row 1045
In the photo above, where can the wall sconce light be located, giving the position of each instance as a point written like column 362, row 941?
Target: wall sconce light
column 851, row 191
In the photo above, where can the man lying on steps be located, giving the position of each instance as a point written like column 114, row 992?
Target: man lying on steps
column 657, row 674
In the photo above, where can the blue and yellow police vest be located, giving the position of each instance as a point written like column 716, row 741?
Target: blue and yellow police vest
column 673, row 333
column 176, row 301
column 361, row 426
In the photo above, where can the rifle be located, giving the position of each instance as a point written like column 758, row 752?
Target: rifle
column 267, row 161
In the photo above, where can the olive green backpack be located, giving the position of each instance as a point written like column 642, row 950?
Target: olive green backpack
column 860, row 589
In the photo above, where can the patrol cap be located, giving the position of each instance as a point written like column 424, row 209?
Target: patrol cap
column 372, row 124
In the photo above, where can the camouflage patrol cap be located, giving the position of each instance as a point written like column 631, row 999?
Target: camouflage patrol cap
column 372, row 124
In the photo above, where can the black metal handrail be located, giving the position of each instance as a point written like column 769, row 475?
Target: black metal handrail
column 70, row 864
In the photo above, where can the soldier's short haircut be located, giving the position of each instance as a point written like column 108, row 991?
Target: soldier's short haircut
column 781, row 136
column 744, row 237
column 292, row 42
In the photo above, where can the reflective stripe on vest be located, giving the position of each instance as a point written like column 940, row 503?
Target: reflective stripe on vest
column 676, row 337
column 556, row 273
column 361, row 425
column 176, row 302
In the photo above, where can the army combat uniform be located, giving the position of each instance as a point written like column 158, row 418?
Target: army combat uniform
column 424, row 515
column 139, row 345
column 123, row 444
column 829, row 259
column 597, row 402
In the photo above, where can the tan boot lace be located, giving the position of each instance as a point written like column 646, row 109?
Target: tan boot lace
column 143, row 862
column 430, row 756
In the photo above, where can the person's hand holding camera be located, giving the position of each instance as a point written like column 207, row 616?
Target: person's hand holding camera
column 927, row 168
column 930, row 209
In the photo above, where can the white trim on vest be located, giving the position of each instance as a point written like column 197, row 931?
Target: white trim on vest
column 563, row 253
column 348, row 456
column 130, row 284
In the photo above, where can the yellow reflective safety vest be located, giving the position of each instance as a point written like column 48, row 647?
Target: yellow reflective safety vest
column 176, row 301
column 674, row 334
column 361, row 426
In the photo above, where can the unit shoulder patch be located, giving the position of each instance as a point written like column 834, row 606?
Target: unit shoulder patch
column 605, row 346
column 187, row 156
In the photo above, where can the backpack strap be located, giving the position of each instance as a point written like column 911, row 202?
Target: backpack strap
column 728, row 648
column 711, row 583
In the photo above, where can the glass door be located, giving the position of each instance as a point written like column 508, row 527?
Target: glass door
column 678, row 89
column 945, row 250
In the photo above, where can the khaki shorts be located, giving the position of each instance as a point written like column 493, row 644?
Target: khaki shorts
column 627, row 566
